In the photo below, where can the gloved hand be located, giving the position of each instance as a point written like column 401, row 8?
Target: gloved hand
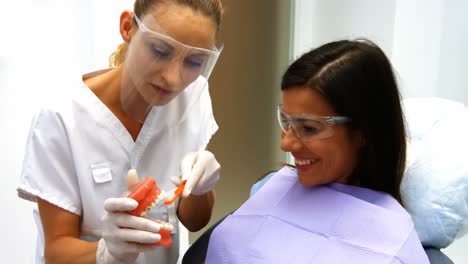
column 125, row 235
column 201, row 170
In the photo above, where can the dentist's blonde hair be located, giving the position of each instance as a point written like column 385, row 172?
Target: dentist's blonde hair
column 210, row 8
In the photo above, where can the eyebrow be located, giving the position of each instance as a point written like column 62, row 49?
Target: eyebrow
column 200, row 55
column 162, row 42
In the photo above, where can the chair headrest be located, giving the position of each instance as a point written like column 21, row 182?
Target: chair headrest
column 435, row 186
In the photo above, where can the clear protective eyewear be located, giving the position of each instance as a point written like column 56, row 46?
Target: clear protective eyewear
column 164, row 74
column 309, row 127
column 194, row 61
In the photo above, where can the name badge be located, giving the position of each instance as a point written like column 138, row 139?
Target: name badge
column 101, row 172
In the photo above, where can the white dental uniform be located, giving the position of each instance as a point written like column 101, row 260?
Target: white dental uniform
column 78, row 155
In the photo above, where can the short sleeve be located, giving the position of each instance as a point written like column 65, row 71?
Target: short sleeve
column 208, row 125
column 48, row 170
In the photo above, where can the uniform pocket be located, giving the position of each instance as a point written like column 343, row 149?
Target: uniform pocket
column 101, row 172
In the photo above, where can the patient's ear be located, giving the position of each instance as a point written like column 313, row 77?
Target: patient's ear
column 127, row 25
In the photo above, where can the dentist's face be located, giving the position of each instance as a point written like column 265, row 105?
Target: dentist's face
column 159, row 67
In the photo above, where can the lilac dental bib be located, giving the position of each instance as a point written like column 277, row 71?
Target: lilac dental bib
column 286, row 222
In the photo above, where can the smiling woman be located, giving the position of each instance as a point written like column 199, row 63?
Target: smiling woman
column 342, row 121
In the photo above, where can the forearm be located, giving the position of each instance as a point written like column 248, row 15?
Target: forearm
column 195, row 211
column 71, row 250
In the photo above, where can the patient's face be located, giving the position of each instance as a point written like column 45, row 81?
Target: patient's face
column 319, row 161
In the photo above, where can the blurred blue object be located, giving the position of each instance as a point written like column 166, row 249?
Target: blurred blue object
column 260, row 183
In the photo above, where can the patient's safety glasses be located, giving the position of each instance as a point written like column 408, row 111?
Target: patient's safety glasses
column 165, row 51
column 309, row 127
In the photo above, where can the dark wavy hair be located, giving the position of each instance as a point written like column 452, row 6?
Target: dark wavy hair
column 358, row 81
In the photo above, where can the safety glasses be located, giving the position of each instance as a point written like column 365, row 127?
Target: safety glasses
column 165, row 51
column 309, row 127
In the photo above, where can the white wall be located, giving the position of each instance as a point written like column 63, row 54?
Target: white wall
column 416, row 45
column 426, row 41
column 453, row 63
column 318, row 22
column 430, row 48
column 43, row 45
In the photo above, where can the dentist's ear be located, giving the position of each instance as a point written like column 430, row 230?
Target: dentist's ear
column 127, row 25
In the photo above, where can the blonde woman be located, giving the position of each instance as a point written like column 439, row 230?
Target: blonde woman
column 150, row 112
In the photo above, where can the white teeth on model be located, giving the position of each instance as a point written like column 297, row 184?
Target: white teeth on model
column 162, row 195
column 159, row 198
column 167, row 226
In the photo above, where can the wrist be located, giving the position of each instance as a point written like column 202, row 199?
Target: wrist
column 103, row 256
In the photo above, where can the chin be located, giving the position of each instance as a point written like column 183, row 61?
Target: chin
column 160, row 101
column 163, row 100
column 311, row 180
column 307, row 181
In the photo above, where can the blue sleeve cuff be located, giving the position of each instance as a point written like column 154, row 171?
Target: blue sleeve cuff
column 260, row 183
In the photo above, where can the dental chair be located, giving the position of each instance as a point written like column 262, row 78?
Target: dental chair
column 435, row 185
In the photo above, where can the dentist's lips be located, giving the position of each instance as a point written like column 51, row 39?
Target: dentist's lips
column 161, row 91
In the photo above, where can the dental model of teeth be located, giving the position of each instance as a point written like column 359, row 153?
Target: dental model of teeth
column 148, row 195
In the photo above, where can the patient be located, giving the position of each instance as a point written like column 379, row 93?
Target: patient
column 342, row 121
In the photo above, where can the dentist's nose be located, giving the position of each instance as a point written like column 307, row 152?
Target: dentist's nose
column 172, row 74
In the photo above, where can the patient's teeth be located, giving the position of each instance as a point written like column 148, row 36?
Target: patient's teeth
column 305, row 162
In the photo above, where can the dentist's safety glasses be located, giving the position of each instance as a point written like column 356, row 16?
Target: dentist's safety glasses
column 159, row 68
column 309, row 127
